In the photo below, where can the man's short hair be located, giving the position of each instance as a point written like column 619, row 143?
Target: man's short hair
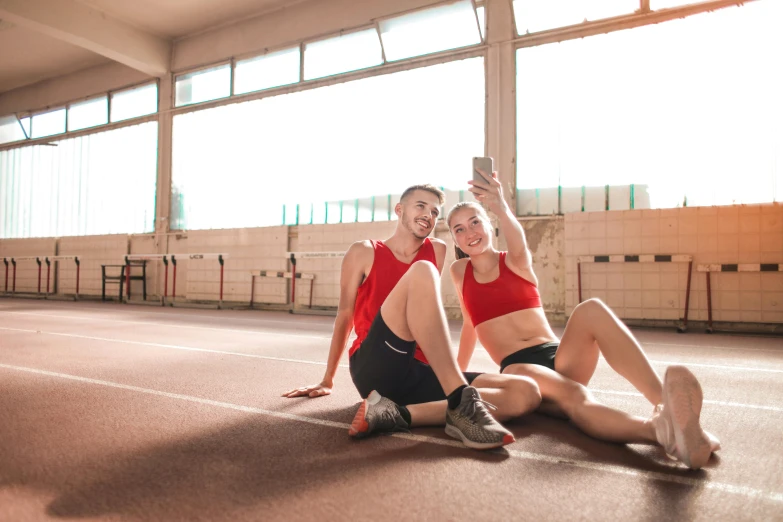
column 432, row 189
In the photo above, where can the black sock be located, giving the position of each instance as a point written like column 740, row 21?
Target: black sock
column 455, row 397
column 406, row 415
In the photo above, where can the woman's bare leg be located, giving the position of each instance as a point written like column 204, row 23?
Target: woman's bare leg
column 576, row 402
column 592, row 329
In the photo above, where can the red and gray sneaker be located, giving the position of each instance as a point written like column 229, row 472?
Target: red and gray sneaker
column 472, row 423
column 376, row 414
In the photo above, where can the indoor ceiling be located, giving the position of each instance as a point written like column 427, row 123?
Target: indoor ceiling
column 32, row 49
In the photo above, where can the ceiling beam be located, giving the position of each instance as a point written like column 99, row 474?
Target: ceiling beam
column 80, row 25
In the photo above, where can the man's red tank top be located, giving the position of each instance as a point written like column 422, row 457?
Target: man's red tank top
column 508, row 293
column 384, row 275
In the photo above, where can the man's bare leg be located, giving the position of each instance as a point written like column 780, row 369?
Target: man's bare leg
column 414, row 311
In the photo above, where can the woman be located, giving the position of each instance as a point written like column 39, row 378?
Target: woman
column 501, row 307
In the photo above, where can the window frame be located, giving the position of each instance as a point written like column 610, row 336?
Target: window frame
column 643, row 17
column 214, row 65
column 89, row 130
column 271, row 50
column 322, row 38
column 86, row 100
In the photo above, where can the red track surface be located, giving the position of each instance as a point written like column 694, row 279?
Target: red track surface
column 122, row 412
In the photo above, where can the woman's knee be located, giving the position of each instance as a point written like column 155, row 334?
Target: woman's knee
column 589, row 308
column 573, row 397
column 526, row 395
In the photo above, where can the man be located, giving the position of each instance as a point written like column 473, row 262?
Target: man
column 401, row 361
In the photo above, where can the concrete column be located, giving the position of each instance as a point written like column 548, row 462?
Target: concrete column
column 501, row 96
column 163, row 196
column 163, row 187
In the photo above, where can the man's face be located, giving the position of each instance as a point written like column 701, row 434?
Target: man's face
column 419, row 212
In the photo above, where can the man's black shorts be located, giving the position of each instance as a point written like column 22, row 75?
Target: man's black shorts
column 385, row 363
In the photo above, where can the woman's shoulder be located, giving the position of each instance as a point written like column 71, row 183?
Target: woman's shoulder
column 458, row 266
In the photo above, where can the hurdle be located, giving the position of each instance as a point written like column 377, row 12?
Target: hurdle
column 641, row 258
column 172, row 258
column 284, row 275
column 748, row 267
column 293, row 256
column 48, row 260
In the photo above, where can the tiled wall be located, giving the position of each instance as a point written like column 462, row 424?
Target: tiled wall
column 732, row 234
column 330, row 238
column 26, row 271
column 93, row 251
column 546, row 240
column 736, row 234
column 199, row 279
column 248, row 249
column 545, row 237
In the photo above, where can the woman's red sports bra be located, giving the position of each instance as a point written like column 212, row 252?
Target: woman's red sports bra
column 508, row 293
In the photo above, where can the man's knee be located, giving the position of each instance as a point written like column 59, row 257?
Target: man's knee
column 423, row 270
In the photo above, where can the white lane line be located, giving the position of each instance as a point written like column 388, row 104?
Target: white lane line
column 744, row 491
column 701, row 365
column 320, row 363
column 718, row 366
column 478, row 348
column 327, row 337
column 602, row 360
column 148, row 323
column 713, row 347
column 134, row 311
column 705, row 401
column 294, row 323
column 170, row 346
column 179, row 396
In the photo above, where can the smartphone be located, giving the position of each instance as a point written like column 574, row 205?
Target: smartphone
column 486, row 165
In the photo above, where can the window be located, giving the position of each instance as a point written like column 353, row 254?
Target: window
column 267, row 71
column 88, row 113
column 657, row 114
column 132, row 103
column 539, row 15
column 72, row 188
column 337, row 154
column 430, row 30
column 205, row 85
column 11, row 129
column 349, row 52
column 48, row 123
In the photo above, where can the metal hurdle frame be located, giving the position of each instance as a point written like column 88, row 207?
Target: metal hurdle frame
column 292, row 258
column 642, row 258
column 166, row 258
column 37, row 259
column 293, row 276
column 747, row 267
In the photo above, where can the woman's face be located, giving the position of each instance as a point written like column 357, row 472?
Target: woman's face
column 471, row 231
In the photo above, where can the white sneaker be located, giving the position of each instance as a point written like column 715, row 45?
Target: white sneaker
column 714, row 442
column 676, row 420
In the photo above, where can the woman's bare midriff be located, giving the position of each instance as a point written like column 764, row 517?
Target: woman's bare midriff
column 512, row 332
